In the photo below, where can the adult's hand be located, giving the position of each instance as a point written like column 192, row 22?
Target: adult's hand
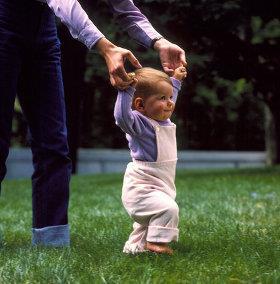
column 171, row 55
column 115, row 58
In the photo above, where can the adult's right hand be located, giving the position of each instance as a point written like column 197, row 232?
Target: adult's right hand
column 115, row 58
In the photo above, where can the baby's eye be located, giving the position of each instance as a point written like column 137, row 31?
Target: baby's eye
column 163, row 98
column 171, row 97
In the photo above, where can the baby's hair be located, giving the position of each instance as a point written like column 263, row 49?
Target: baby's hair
column 148, row 79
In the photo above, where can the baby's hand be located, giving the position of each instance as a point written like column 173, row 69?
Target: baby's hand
column 180, row 73
column 135, row 81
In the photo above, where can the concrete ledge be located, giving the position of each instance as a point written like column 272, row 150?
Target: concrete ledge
column 19, row 164
column 220, row 159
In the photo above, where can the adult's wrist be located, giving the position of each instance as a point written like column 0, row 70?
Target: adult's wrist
column 155, row 40
column 103, row 45
column 159, row 43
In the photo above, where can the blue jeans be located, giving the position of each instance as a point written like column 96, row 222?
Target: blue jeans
column 30, row 68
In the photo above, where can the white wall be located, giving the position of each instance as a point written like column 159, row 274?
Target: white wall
column 19, row 163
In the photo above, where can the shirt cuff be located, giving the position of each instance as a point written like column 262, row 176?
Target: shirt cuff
column 176, row 83
column 144, row 34
column 130, row 91
column 90, row 36
column 55, row 236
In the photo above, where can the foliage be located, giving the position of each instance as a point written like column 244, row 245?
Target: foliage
column 19, row 127
column 229, row 232
column 232, row 49
column 216, row 109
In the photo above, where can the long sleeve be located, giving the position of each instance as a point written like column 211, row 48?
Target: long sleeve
column 176, row 88
column 76, row 19
column 133, row 21
column 129, row 121
column 82, row 28
column 139, row 131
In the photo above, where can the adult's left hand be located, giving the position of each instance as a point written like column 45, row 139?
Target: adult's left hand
column 171, row 55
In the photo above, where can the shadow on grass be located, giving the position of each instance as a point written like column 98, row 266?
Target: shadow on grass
column 182, row 248
column 26, row 245
column 13, row 246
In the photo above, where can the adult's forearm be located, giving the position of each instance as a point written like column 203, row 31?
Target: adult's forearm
column 76, row 19
column 133, row 21
column 82, row 28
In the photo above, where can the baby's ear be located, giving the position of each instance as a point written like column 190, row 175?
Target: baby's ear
column 139, row 104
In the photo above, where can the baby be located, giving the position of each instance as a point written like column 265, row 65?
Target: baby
column 143, row 112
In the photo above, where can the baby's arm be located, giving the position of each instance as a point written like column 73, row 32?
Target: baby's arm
column 176, row 88
column 126, row 119
column 179, row 74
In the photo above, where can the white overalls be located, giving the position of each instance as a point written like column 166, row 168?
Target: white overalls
column 149, row 193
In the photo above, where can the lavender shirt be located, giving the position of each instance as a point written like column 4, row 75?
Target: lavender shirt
column 82, row 28
column 138, row 128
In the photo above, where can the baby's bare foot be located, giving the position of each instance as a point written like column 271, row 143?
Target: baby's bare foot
column 159, row 248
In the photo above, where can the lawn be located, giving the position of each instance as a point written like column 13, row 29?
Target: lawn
column 229, row 233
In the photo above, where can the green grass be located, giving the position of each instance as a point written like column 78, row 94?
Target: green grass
column 229, row 233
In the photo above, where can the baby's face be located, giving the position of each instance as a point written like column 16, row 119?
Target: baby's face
column 160, row 106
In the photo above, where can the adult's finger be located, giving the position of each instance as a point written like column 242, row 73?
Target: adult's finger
column 112, row 80
column 121, row 84
column 183, row 59
column 133, row 60
column 167, row 69
column 121, row 73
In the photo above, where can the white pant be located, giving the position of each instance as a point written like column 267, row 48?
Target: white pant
column 148, row 196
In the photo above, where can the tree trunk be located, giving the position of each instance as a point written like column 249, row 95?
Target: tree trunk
column 272, row 134
column 73, row 69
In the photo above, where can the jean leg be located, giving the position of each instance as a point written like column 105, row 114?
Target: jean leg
column 10, row 63
column 42, row 101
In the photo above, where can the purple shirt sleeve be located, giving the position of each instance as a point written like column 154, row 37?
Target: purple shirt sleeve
column 82, row 28
column 138, row 128
column 133, row 21
column 128, row 120
column 76, row 19
column 176, row 88
column 139, row 131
